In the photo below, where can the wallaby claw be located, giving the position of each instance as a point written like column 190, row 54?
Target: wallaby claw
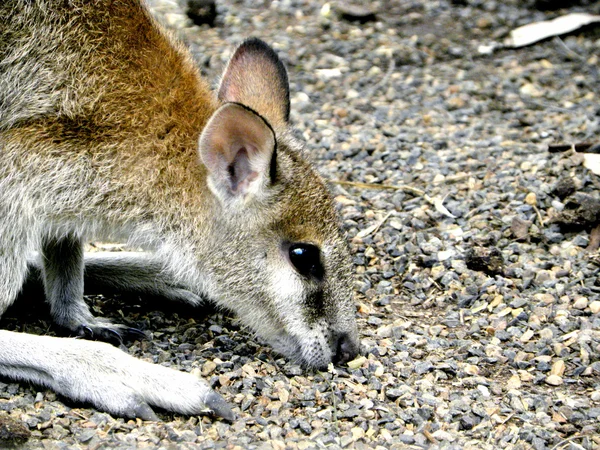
column 110, row 335
column 106, row 333
column 131, row 334
column 84, row 332
column 219, row 407
column 144, row 412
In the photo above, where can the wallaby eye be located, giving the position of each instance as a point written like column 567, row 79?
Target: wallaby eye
column 306, row 259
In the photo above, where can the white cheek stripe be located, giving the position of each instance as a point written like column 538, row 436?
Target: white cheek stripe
column 288, row 291
column 287, row 288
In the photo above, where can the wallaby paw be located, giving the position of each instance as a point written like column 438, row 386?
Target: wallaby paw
column 132, row 388
column 108, row 378
column 214, row 404
column 108, row 332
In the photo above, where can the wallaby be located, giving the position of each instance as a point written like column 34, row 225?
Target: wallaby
column 108, row 132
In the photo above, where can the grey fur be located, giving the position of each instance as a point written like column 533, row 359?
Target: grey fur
column 121, row 273
column 108, row 132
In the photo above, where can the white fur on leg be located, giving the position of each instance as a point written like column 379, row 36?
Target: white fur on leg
column 105, row 376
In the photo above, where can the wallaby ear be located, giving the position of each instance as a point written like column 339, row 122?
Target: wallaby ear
column 238, row 146
column 256, row 77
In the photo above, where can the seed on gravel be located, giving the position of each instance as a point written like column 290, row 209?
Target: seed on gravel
column 558, row 368
column 531, row 199
column 357, row 362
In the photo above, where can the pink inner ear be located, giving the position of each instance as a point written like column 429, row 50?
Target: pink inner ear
column 237, row 147
column 240, row 171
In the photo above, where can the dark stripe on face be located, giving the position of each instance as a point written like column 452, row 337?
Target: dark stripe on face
column 314, row 307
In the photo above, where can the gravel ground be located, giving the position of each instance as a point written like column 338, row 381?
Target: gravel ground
column 479, row 302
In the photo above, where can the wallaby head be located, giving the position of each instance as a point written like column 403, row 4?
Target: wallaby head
column 280, row 260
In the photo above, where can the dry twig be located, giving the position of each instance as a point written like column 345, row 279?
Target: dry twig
column 438, row 203
column 570, row 439
column 373, row 228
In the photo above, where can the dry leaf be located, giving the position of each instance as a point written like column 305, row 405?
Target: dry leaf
column 367, row 231
column 537, row 31
column 438, row 204
column 592, row 162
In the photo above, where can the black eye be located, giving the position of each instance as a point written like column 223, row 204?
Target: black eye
column 306, row 258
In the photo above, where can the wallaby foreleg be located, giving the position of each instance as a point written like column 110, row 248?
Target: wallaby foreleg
column 62, row 269
column 105, row 376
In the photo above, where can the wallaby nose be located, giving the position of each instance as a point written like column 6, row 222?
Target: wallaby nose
column 346, row 348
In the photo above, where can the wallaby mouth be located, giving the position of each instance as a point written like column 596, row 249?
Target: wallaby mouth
column 313, row 352
column 308, row 353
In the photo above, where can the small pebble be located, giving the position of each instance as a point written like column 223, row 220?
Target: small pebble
column 580, row 303
column 554, row 380
column 558, row 368
column 525, row 337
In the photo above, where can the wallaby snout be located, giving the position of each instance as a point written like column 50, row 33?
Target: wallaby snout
column 346, row 348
